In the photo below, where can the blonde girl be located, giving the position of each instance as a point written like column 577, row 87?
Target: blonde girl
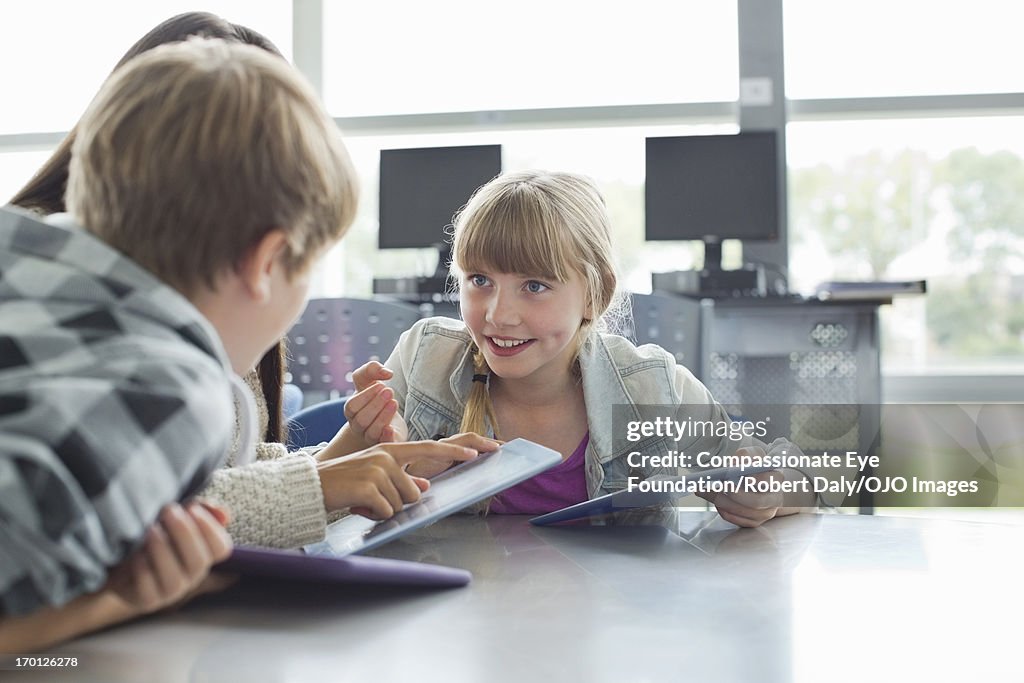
column 534, row 263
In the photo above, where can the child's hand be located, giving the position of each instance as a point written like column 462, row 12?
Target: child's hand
column 374, row 483
column 428, row 467
column 175, row 559
column 371, row 409
column 473, row 440
column 749, row 509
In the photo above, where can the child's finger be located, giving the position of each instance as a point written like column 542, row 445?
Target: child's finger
column 406, row 486
column 359, row 400
column 741, row 514
column 363, row 415
column 163, row 560
column 375, row 506
column 474, row 441
column 216, row 537
column 368, row 373
column 381, row 421
column 222, row 516
column 410, row 451
column 391, row 491
column 421, row 484
column 757, row 502
column 145, row 591
column 215, row 581
column 187, row 541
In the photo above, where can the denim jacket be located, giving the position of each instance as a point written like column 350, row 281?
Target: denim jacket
column 433, row 370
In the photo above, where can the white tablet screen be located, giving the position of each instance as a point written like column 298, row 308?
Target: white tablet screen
column 449, row 492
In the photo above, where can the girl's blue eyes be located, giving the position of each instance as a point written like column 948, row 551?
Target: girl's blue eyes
column 535, row 287
column 532, row 286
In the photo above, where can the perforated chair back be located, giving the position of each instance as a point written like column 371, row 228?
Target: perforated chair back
column 335, row 336
column 671, row 322
column 316, row 424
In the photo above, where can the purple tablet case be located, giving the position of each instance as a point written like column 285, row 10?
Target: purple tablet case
column 354, row 569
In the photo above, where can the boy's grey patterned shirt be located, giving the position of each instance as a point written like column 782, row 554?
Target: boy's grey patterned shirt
column 115, row 399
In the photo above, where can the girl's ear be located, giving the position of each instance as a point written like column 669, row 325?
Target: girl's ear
column 257, row 266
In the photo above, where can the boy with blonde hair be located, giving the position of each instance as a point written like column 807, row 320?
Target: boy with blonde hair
column 205, row 181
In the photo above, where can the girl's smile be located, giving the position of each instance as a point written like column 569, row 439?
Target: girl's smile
column 506, row 346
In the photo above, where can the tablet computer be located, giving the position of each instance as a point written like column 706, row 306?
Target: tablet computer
column 269, row 563
column 629, row 500
column 449, row 492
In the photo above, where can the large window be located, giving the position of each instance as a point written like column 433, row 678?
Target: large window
column 881, row 48
column 16, row 168
column 56, row 53
column 926, row 189
column 935, row 199
column 393, row 57
column 892, row 174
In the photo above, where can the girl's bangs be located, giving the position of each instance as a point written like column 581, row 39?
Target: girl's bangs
column 526, row 243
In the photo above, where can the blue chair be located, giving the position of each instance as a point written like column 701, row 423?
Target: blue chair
column 316, row 424
column 291, row 400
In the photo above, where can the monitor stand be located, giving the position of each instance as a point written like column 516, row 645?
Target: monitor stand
column 713, row 282
column 422, row 289
column 748, row 280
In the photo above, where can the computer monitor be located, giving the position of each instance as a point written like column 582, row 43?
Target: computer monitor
column 711, row 188
column 421, row 189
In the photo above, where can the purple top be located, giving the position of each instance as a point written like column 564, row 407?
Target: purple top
column 563, row 485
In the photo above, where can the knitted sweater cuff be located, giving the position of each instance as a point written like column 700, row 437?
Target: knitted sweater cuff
column 276, row 503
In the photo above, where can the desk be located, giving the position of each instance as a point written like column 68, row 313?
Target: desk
column 817, row 598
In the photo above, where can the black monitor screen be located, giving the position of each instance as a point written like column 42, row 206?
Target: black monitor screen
column 712, row 187
column 421, row 189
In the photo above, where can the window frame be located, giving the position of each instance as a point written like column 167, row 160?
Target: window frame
column 308, row 57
